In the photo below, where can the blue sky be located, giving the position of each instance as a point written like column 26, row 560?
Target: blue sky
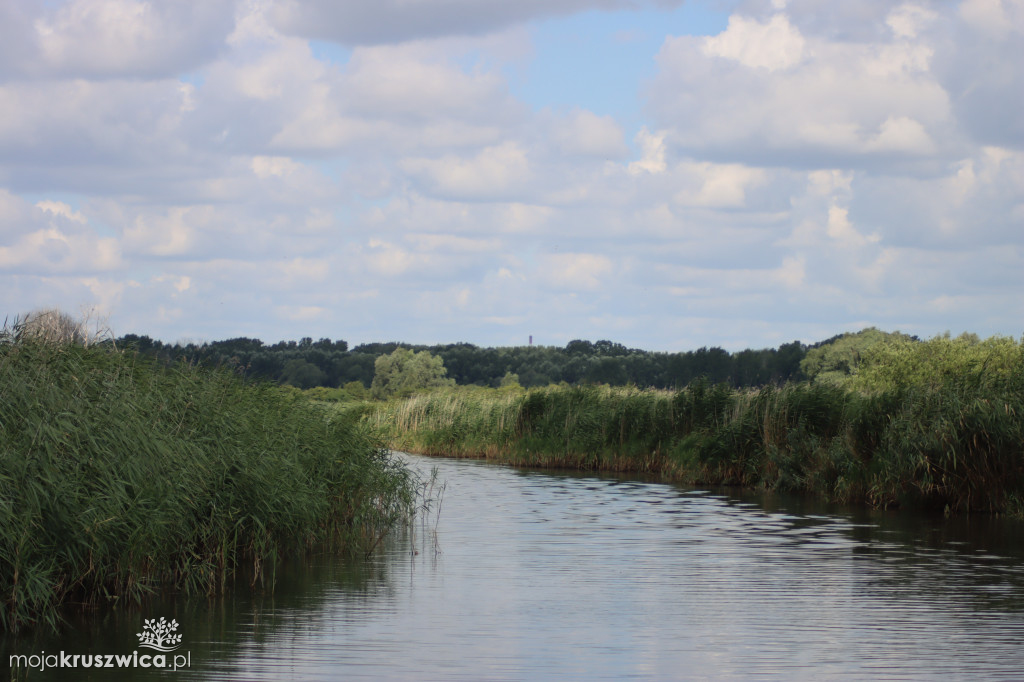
column 598, row 60
column 664, row 174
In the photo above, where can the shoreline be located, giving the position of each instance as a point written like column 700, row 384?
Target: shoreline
column 946, row 448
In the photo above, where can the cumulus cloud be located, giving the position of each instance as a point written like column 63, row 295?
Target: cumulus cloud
column 653, row 153
column 717, row 185
column 52, row 239
column 996, row 18
column 91, row 122
column 584, row 133
column 782, row 89
column 385, row 98
column 495, row 172
column 113, row 38
column 576, row 271
column 771, row 46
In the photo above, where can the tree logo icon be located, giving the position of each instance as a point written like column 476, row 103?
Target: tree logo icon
column 158, row 635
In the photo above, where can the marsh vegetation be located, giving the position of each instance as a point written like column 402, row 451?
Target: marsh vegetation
column 120, row 477
column 897, row 422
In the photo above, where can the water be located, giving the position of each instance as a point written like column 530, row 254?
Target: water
column 527, row 575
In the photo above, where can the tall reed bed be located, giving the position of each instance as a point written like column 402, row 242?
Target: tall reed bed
column 958, row 445
column 554, row 426
column 118, row 478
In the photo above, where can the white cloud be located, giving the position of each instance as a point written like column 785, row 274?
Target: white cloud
column 389, row 99
column 54, row 239
column 826, row 182
column 576, row 271
column 498, row 171
column 901, row 134
column 389, row 260
column 172, row 234
column 51, row 250
column 842, row 230
column 114, row 38
column 792, row 272
column 61, row 209
column 652, row 146
column 273, row 166
column 772, row 46
column 179, row 284
column 410, row 81
column 906, row 21
column 764, row 90
column 584, row 133
column 720, row 185
column 997, row 18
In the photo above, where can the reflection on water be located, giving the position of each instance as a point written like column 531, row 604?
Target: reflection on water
column 528, row 575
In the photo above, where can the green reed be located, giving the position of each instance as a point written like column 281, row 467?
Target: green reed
column 118, row 477
column 956, row 444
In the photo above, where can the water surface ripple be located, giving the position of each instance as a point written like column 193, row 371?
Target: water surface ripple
column 527, row 575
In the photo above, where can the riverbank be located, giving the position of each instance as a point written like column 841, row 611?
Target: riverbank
column 955, row 444
column 119, row 478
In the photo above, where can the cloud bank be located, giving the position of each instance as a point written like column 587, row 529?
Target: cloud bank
column 215, row 169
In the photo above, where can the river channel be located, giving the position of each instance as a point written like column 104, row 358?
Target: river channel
column 526, row 575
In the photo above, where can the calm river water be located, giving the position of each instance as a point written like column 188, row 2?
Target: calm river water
column 525, row 575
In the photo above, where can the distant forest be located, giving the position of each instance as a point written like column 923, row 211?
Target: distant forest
column 308, row 363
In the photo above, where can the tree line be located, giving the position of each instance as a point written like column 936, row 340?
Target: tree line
column 307, row 363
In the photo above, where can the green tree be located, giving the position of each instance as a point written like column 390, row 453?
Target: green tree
column 932, row 363
column 301, row 374
column 578, row 347
column 607, row 371
column 510, row 380
column 839, row 358
column 404, row 371
column 356, row 390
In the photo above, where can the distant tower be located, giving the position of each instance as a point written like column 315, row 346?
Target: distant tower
column 531, row 339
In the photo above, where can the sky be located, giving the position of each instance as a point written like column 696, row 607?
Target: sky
column 663, row 174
